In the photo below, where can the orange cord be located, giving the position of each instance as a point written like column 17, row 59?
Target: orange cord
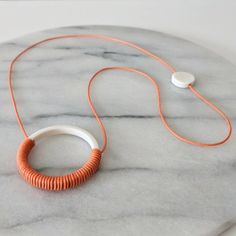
column 90, row 167
column 142, row 50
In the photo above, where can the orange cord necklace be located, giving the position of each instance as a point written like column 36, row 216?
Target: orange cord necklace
column 180, row 79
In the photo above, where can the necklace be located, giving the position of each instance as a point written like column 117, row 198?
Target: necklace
column 79, row 176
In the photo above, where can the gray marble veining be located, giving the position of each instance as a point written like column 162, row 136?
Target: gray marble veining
column 149, row 183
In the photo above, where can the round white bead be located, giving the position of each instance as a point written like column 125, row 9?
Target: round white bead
column 182, row 79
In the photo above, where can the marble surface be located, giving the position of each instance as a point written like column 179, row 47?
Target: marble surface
column 149, row 183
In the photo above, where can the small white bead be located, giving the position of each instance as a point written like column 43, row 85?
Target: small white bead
column 182, row 79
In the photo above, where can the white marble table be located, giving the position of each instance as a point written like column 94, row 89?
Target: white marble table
column 149, row 183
